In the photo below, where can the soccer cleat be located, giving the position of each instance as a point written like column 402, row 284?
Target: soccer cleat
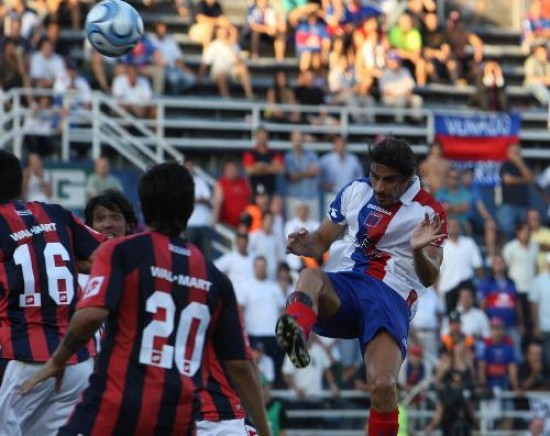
column 291, row 339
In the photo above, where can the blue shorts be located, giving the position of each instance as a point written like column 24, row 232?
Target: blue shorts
column 368, row 306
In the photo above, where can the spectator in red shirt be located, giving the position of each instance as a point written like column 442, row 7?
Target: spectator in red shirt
column 262, row 164
column 231, row 195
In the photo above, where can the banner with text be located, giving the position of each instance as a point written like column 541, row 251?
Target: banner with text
column 477, row 137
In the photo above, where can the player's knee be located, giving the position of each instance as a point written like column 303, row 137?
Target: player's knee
column 383, row 390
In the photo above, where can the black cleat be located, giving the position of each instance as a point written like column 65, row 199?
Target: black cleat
column 291, row 339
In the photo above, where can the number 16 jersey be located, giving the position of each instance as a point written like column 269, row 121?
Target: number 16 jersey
column 39, row 246
column 166, row 302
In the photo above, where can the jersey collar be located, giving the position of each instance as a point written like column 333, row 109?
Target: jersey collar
column 411, row 192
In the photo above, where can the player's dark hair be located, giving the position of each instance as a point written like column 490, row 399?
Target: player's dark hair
column 115, row 201
column 11, row 177
column 167, row 196
column 394, row 153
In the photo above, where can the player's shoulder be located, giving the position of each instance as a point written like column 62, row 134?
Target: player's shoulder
column 424, row 198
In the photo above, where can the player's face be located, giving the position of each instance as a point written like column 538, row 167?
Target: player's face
column 109, row 222
column 388, row 183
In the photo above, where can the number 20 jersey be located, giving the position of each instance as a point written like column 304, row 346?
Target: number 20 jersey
column 39, row 245
column 167, row 306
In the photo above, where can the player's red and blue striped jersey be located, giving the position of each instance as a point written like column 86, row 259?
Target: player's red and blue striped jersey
column 166, row 304
column 39, row 246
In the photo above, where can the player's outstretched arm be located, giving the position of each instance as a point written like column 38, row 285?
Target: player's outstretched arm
column 427, row 257
column 303, row 243
column 83, row 325
column 244, row 376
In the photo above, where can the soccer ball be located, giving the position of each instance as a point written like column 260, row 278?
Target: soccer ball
column 114, row 27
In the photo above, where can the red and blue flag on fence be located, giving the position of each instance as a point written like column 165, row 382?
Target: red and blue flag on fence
column 477, row 136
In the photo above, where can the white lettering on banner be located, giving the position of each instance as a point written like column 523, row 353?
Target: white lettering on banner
column 181, row 279
column 34, row 230
column 490, row 125
column 485, row 172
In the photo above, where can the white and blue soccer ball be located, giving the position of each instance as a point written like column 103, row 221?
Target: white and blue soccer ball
column 114, row 27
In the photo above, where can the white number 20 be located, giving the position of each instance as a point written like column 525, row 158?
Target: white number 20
column 186, row 351
column 56, row 274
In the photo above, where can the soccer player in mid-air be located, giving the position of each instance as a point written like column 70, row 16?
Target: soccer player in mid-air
column 40, row 245
column 163, row 304
column 385, row 234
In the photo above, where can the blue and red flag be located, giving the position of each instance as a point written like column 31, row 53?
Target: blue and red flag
column 477, row 136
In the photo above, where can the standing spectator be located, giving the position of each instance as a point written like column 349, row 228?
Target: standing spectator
column 499, row 297
column 46, row 65
column 516, row 177
column 300, row 220
column 457, row 349
column 490, row 93
column 425, row 324
column 134, row 92
column 238, row 264
column 73, row 94
column 434, row 168
column 539, row 297
column 30, row 21
column 397, row 85
column 539, row 235
column 264, row 242
column 285, row 279
column 262, row 164
column 302, row 173
column 455, row 198
column 537, row 74
column 262, row 301
column 461, row 263
column 224, row 58
column 312, row 42
column 533, row 371
column 231, row 195
column 180, row 78
column 199, row 226
column 338, row 168
column 37, row 182
column 209, row 15
column 520, row 255
column 406, row 39
column 252, row 216
column 101, row 179
column 149, row 63
column 370, row 53
column 263, row 19
column 475, row 322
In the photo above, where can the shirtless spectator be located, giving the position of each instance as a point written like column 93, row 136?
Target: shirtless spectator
column 433, row 169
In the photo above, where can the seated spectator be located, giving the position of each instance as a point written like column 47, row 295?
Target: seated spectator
column 397, row 86
column 149, row 62
column 455, row 199
column 312, row 42
column 13, row 73
column 281, row 93
column 223, row 56
column 42, row 126
column 53, row 34
column 133, row 92
column 490, row 93
column 263, row 20
column 285, row 279
column 101, row 179
column 356, row 12
column 179, row 77
column 46, row 65
column 539, row 235
column 74, row 87
column 253, row 214
column 406, row 39
column 209, row 15
column 231, row 195
column 459, row 38
column 474, row 322
column 419, row 10
column 437, row 51
column 307, row 91
column 22, row 44
column 71, row 13
column 533, row 373
column 37, row 182
column 30, row 21
column 535, row 26
column 433, row 169
column 537, row 74
column 370, row 53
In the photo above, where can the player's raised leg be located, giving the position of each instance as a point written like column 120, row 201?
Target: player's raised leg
column 383, row 360
column 314, row 297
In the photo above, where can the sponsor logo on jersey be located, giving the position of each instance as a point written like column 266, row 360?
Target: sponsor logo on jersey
column 180, row 279
column 34, row 230
column 379, row 209
column 93, row 286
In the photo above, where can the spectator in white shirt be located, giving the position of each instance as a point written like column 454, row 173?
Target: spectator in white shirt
column 199, row 226
column 224, row 59
column 426, row 322
column 46, row 65
column 264, row 242
column 76, row 89
column 30, row 21
column 237, row 264
column 134, row 92
column 461, row 262
column 179, row 77
column 539, row 296
column 475, row 322
column 300, row 220
column 262, row 302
